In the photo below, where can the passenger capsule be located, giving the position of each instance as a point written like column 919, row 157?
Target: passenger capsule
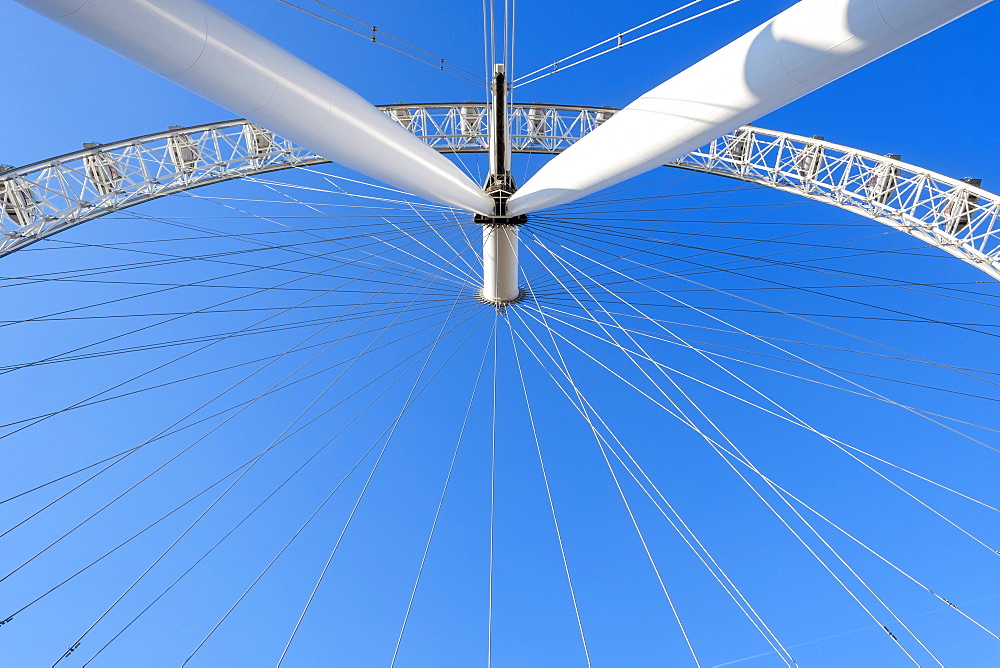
column 882, row 181
column 809, row 160
column 101, row 169
column 183, row 151
column 17, row 200
column 259, row 142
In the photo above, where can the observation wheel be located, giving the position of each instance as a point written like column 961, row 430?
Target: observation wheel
column 954, row 215
column 263, row 409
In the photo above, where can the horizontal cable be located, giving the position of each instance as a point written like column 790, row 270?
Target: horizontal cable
column 619, row 43
column 374, row 33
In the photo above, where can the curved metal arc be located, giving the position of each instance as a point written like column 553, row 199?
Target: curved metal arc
column 952, row 214
column 47, row 197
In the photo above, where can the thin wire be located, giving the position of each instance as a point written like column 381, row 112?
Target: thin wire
column 301, row 467
column 157, row 437
column 687, row 421
column 564, row 368
column 302, row 527
column 278, row 388
column 710, row 288
column 548, row 494
column 707, row 344
column 737, row 397
column 262, row 453
column 612, row 39
column 350, row 517
column 187, row 530
column 488, row 69
column 513, row 51
column 437, row 512
column 913, row 317
column 793, row 418
column 493, row 42
column 92, row 397
column 296, row 349
column 154, row 523
column 705, row 312
column 691, row 546
column 506, row 30
column 614, row 48
column 493, row 460
column 890, row 611
column 825, row 543
column 437, row 63
column 748, row 610
column 130, row 539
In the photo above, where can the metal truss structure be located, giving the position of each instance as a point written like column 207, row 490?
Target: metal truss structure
column 47, row 197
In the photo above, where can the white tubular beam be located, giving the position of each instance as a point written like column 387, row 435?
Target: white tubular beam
column 804, row 48
column 500, row 265
column 198, row 47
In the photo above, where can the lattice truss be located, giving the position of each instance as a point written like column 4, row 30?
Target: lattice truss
column 463, row 128
column 955, row 215
column 47, row 197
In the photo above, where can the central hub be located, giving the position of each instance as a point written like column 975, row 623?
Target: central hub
column 500, row 186
column 500, row 248
column 500, row 262
column 500, row 231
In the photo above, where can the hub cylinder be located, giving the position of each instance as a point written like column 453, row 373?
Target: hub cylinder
column 500, row 266
column 500, row 285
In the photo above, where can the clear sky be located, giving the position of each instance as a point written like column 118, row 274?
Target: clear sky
column 884, row 347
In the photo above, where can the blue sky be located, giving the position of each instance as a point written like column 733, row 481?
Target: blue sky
column 931, row 101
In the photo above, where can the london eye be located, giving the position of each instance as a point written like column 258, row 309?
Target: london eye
column 494, row 380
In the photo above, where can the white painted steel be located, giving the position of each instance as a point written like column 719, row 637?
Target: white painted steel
column 805, row 47
column 500, row 279
column 198, row 47
column 957, row 217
